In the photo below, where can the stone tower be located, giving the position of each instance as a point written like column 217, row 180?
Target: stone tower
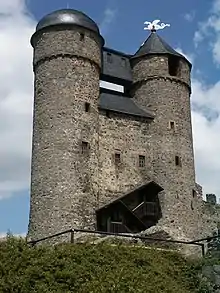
column 67, row 63
column 161, row 83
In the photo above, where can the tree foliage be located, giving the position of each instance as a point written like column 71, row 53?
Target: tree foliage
column 88, row 268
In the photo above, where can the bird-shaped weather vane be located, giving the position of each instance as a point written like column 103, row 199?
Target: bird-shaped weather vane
column 154, row 25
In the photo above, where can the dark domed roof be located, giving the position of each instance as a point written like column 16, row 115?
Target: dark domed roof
column 67, row 16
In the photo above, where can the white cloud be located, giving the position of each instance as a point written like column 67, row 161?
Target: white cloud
column 12, row 6
column 4, row 235
column 205, row 101
column 108, row 19
column 16, row 96
column 206, row 129
column 206, row 108
column 190, row 16
column 189, row 57
column 210, row 29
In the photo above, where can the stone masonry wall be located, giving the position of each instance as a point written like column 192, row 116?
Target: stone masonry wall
column 128, row 136
column 67, row 186
column 169, row 98
column 209, row 217
column 64, row 186
column 158, row 66
column 205, row 214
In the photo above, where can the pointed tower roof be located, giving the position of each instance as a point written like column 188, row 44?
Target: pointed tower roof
column 156, row 45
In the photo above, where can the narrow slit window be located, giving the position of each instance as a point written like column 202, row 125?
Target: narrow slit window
column 81, row 37
column 141, row 161
column 174, row 66
column 87, row 107
column 109, row 57
column 117, row 158
column 85, row 147
column 172, row 125
column 107, row 114
column 178, row 161
column 194, row 193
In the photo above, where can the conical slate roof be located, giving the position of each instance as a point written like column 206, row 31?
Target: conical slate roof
column 155, row 45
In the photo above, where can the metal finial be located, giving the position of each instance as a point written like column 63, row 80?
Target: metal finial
column 154, row 25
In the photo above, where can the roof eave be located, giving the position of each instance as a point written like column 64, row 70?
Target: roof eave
column 150, row 117
column 159, row 189
column 164, row 54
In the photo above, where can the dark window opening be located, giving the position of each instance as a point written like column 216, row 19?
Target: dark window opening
column 81, row 37
column 151, row 209
column 87, row 107
column 173, row 63
column 117, row 158
column 141, row 161
column 85, row 147
column 109, row 57
column 107, row 114
column 194, row 193
column 178, row 161
column 192, row 207
column 116, row 216
column 172, row 125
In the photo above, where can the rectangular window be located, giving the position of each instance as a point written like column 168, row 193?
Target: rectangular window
column 173, row 63
column 172, row 125
column 141, row 161
column 81, row 37
column 87, row 107
column 194, row 193
column 85, row 147
column 151, row 209
column 109, row 57
column 117, row 158
column 178, row 161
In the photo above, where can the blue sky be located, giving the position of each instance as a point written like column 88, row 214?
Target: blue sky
column 194, row 30
column 125, row 31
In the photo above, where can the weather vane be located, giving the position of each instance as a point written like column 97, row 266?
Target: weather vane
column 154, row 25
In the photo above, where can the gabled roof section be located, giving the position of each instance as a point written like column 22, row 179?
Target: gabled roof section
column 156, row 45
column 149, row 184
column 122, row 104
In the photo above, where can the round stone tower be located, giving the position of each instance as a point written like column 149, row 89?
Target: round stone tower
column 67, row 61
column 161, row 83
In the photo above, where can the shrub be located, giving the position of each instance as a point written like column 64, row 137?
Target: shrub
column 88, row 268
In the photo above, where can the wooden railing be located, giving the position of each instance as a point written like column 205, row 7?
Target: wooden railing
column 145, row 209
column 128, row 235
column 119, row 227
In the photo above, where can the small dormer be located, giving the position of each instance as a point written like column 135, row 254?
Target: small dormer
column 116, row 67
